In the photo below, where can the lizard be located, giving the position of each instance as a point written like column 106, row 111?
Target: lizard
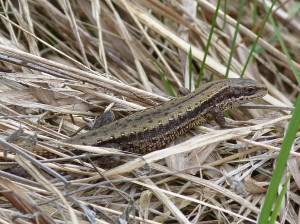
column 151, row 129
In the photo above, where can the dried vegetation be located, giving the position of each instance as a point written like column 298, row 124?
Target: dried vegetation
column 63, row 61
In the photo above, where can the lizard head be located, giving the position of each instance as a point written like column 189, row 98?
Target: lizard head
column 245, row 90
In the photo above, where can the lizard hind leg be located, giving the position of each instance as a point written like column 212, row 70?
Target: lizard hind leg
column 105, row 118
column 182, row 91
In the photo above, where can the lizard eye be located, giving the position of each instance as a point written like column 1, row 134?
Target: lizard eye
column 250, row 90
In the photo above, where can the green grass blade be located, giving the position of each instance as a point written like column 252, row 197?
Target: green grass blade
column 190, row 69
column 7, row 12
column 225, row 15
column 284, row 48
column 257, row 37
column 234, row 37
column 164, row 79
column 281, row 163
column 255, row 13
column 208, row 44
column 279, row 201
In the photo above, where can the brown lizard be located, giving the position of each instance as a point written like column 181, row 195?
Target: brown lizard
column 153, row 128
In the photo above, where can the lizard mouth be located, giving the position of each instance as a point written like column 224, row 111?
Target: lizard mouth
column 260, row 92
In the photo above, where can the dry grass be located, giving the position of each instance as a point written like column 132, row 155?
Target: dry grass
column 61, row 62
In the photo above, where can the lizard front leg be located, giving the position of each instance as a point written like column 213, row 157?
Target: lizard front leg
column 214, row 113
